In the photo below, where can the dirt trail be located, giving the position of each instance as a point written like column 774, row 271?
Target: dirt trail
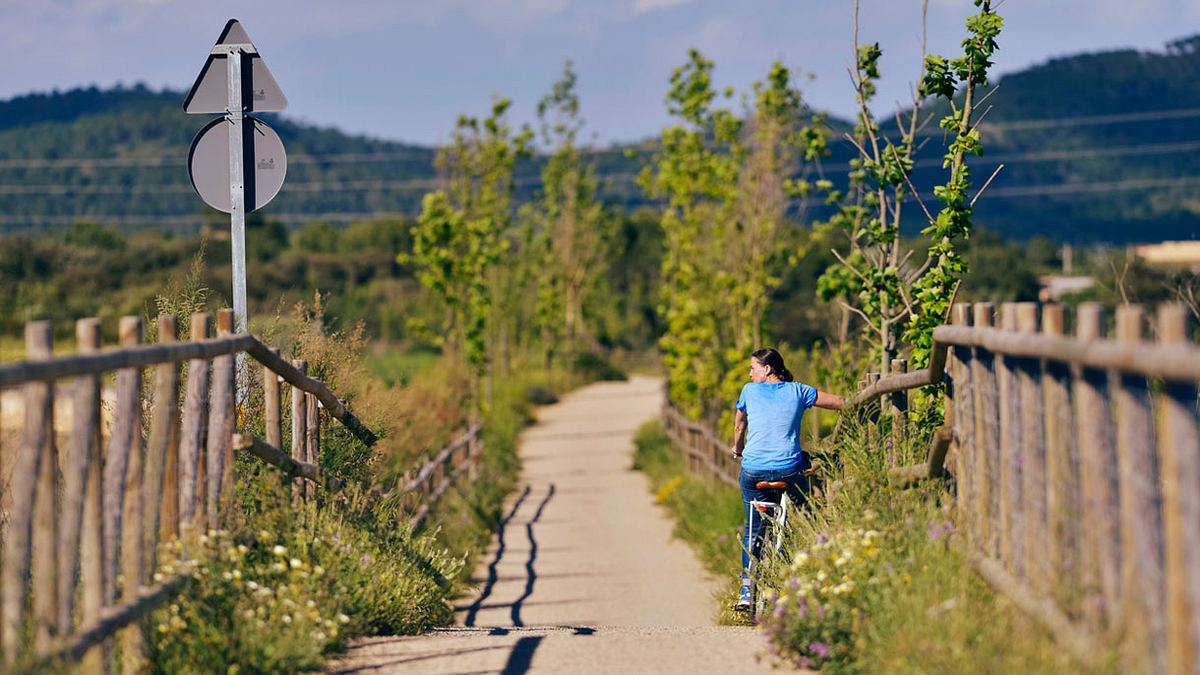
column 584, row 577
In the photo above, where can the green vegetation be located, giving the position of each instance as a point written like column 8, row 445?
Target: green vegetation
column 875, row 581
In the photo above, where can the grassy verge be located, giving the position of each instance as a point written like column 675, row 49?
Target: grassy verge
column 708, row 515
column 287, row 583
column 876, row 580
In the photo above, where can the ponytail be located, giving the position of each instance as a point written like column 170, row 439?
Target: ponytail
column 773, row 360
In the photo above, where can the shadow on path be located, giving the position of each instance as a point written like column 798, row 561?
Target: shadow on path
column 522, row 655
column 492, row 576
column 530, row 572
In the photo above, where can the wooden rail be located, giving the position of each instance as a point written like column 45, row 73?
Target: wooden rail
column 1076, row 465
column 76, row 570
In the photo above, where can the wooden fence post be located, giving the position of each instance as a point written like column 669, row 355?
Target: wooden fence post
column 80, row 487
column 1143, row 606
column 192, row 461
column 299, row 427
column 162, row 454
column 313, row 439
column 966, row 464
column 123, row 495
column 220, row 425
column 1179, row 454
column 22, row 534
column 1064, row 511
column 1101, row 551
column 272, row 402
column 1033, row 458
column 898, row 410
column 987, row 435
column 46, row 581
column 1012, row 541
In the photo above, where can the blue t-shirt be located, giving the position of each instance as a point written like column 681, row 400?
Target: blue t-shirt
column 773, row 411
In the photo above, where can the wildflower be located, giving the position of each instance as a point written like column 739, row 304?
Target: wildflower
column 343, row 619
column 252, row 585
column 279, row 567
column 227, row 575
column 868, row 516
column 279, row 551
column 287, row 618
column 162, row 628
column 310, row 604
column 241, row 548
column 237, row 574
column 820, row 649
column 295, row 563
column 318, row 570
column 158, row 577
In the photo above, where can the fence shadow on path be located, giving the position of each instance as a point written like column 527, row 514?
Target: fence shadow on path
column 492, row 577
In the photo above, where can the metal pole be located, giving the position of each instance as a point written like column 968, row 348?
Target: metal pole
column 237, row 208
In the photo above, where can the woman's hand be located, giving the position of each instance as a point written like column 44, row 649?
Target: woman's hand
column 735, row 451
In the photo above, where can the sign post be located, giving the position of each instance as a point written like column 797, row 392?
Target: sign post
column 231, row 170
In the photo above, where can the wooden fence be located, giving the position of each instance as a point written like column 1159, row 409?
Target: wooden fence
column 82, row 528
column 1076, row 464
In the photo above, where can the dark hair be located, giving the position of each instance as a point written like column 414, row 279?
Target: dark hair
column 773, row 360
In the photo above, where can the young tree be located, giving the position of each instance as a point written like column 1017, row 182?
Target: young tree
column 578, row 232
column 459, row 237
column 873, row 277
column 696, row 172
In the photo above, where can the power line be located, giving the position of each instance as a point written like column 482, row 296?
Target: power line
column 625, row 177
column 424, row 154
column 183, row 220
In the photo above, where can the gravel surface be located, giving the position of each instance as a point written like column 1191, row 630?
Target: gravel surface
column 585, row 576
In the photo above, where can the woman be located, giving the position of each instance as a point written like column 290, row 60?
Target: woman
column 771, row 405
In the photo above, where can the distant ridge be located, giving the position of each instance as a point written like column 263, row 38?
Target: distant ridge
column 1097, row 147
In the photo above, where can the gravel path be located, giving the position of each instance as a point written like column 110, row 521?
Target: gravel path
column 584, row 577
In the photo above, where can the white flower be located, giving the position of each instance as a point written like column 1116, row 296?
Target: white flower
column 295, row 562
column 342, row 618
column 279, row 550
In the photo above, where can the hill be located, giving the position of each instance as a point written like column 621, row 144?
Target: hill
column 1096, row 147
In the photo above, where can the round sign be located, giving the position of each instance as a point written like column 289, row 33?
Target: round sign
column 264, row 160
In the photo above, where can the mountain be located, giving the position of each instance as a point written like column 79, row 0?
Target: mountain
column 1101, row 147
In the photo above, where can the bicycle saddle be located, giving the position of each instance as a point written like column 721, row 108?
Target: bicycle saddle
column 771, row 485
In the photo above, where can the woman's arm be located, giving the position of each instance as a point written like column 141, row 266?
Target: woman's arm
column 829, row 401
column 739, row 433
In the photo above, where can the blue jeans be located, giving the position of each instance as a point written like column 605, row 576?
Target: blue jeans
column 797, row 492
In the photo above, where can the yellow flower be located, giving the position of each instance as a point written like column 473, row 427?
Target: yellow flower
column 279, row 551
column 295, row 562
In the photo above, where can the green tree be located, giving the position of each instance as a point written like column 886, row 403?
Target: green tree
column 696, row 173
column 459, row 237
column 578, row 231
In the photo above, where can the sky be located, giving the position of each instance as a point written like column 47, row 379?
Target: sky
column 404, row 70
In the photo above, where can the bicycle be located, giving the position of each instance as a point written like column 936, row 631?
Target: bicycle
column 775, row 514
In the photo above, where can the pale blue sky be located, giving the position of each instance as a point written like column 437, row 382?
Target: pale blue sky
column 403, row 70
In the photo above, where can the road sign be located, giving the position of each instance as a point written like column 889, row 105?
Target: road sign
column 265, row 164
column 248, row 172
column 210, row 93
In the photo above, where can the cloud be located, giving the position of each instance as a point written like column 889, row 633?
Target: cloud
column 644, row 6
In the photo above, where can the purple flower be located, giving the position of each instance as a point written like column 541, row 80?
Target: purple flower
column 822, row 538
column 820, row 649
column 804, row 662
column 366, row 559
column 939, row 530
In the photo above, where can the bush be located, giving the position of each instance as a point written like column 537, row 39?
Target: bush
column 591, row 366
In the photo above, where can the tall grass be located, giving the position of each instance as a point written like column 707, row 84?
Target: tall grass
column 875, row 579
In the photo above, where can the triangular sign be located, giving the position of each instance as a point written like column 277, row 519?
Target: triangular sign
column 260, row 92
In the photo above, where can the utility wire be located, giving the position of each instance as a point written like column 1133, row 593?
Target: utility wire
column 393, row 156
column 1049, row 190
